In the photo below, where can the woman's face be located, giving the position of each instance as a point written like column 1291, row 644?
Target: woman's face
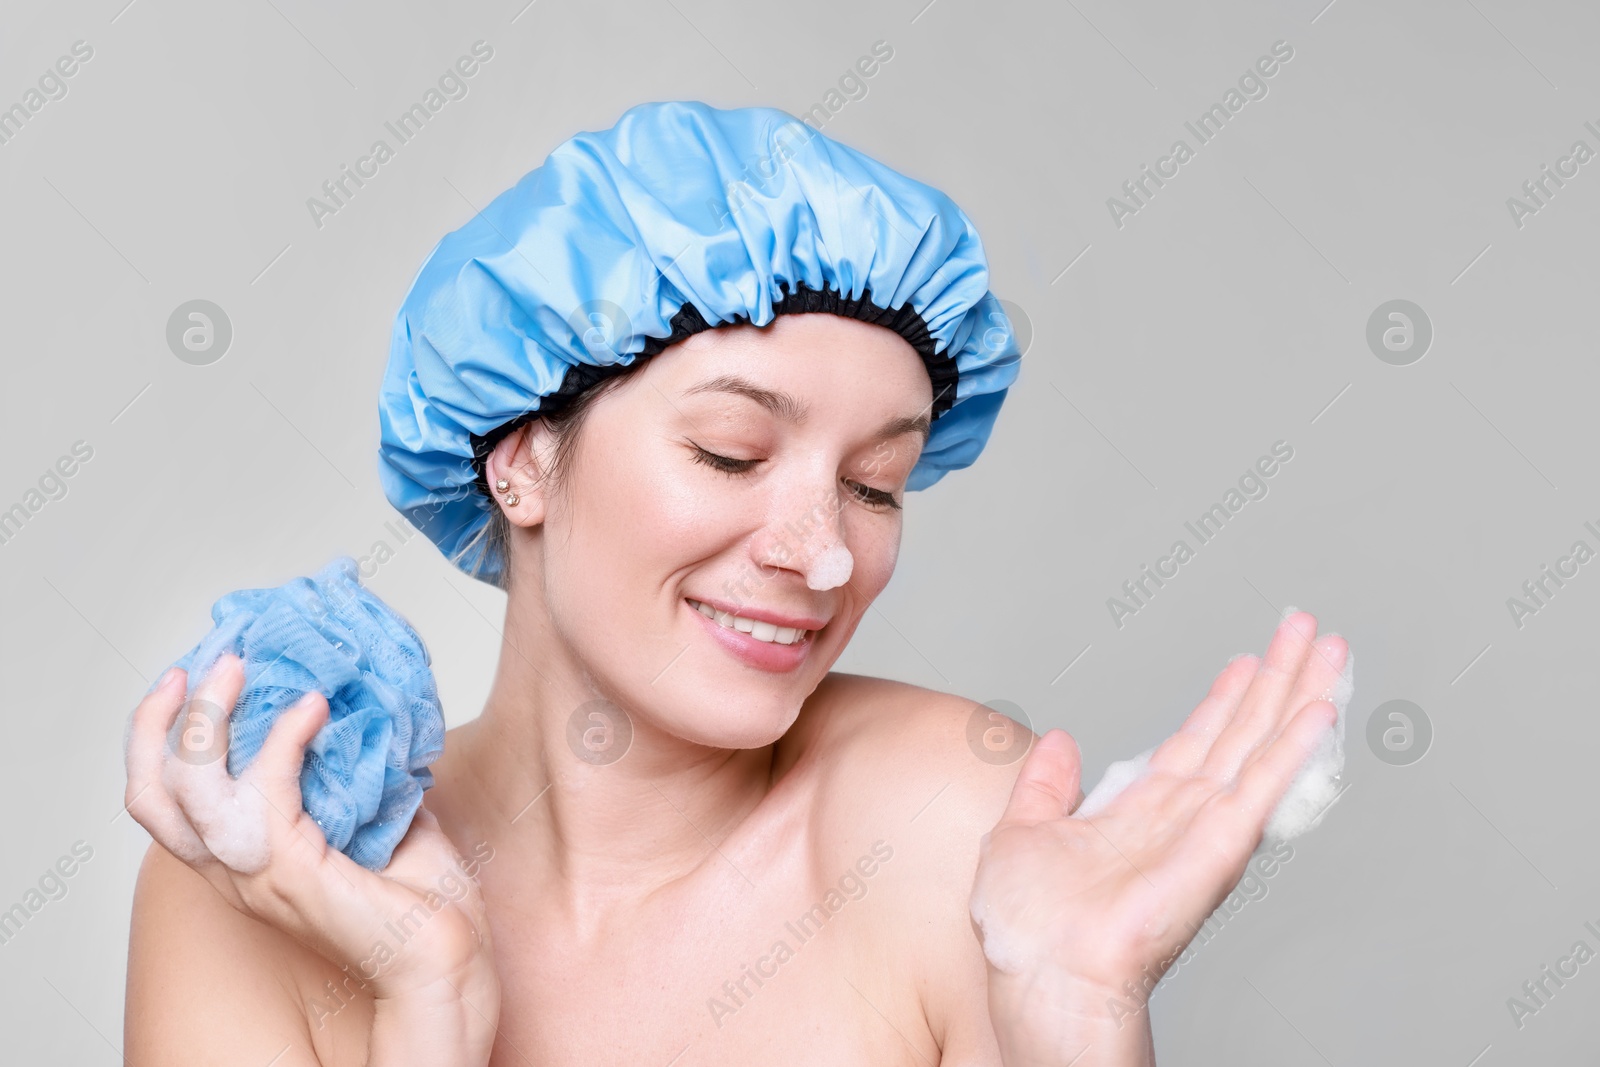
column 755, row 471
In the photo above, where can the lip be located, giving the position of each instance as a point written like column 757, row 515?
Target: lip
column 794, row 622
column 762, row 655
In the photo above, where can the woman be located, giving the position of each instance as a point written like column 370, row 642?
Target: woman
column 673, row 836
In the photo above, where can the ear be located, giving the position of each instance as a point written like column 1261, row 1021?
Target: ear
column 521, row 458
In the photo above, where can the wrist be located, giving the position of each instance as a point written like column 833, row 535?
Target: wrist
column 1052, row 1018
column 450, row 1022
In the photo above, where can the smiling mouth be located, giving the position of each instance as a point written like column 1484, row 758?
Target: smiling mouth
column 761, row 631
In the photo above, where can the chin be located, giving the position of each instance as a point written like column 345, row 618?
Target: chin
column 755, row 722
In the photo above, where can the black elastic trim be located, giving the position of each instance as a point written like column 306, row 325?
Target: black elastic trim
column 802, row 299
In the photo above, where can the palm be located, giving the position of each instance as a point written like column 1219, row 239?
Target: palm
column 1121, row 887
column 1116, row 895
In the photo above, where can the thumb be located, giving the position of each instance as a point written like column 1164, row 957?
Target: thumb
column 1047, row 786
column 424, row 850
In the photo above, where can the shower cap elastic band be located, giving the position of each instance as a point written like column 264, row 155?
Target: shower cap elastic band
column 680, row 218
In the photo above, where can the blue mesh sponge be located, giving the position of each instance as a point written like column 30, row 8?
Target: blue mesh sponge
column 366, row 769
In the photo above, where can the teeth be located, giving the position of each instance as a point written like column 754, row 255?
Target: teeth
column 761, row 631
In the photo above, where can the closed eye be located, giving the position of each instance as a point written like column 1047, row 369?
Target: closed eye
column 723, row 463
column 730, row 466
column 879, row 497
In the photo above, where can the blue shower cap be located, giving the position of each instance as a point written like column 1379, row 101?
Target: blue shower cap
column 680, row 218
column 367, row 767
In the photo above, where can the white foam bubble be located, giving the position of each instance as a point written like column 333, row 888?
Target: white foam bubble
column 1118, row 776
column 230, row 816
column 1005, row 952
column 178, row 837
column 832, row 568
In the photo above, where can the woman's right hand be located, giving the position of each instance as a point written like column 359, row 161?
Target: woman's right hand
column 253, row 841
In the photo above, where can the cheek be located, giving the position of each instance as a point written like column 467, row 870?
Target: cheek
column 684, row 512
column 875, row 543
column 636, row 515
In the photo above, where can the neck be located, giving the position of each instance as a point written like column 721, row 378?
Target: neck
column 611, row 829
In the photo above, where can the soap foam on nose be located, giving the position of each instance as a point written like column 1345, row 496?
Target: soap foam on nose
column 831, row 569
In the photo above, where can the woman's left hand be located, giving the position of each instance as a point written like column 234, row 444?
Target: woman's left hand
column 1080, row 917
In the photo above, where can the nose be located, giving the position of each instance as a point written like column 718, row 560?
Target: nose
column 830, row 568
column 809, row 539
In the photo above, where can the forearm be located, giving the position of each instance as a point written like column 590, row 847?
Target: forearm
column 1057, row 1021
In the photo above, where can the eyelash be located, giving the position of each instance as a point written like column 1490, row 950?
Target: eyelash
column 726, row 465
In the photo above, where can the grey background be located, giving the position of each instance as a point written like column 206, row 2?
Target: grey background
column 1228, row 314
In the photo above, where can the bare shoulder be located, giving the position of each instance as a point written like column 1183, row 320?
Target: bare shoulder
column 950, row 758
column 208, row 984
column 928, row 772
column 920, row 776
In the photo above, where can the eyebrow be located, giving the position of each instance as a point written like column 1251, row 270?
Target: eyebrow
column 786, row 407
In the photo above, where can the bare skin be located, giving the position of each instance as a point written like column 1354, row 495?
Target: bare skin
column 617, row 906
column 629, row 981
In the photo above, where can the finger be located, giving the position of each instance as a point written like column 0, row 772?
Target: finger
column 1262, row 709
column 202, row 737
column 276, row 768
column 1331, row 650
column 147, row 732
column 1317, row 680
column 146, row 797
column 1268, row 778
column 1298, row 631
column 1324, row 666
column 1047, row 785
column 197, row 771
column 1185, row 751
column 274, row 777
column 423, row 853
column 1229, row 827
